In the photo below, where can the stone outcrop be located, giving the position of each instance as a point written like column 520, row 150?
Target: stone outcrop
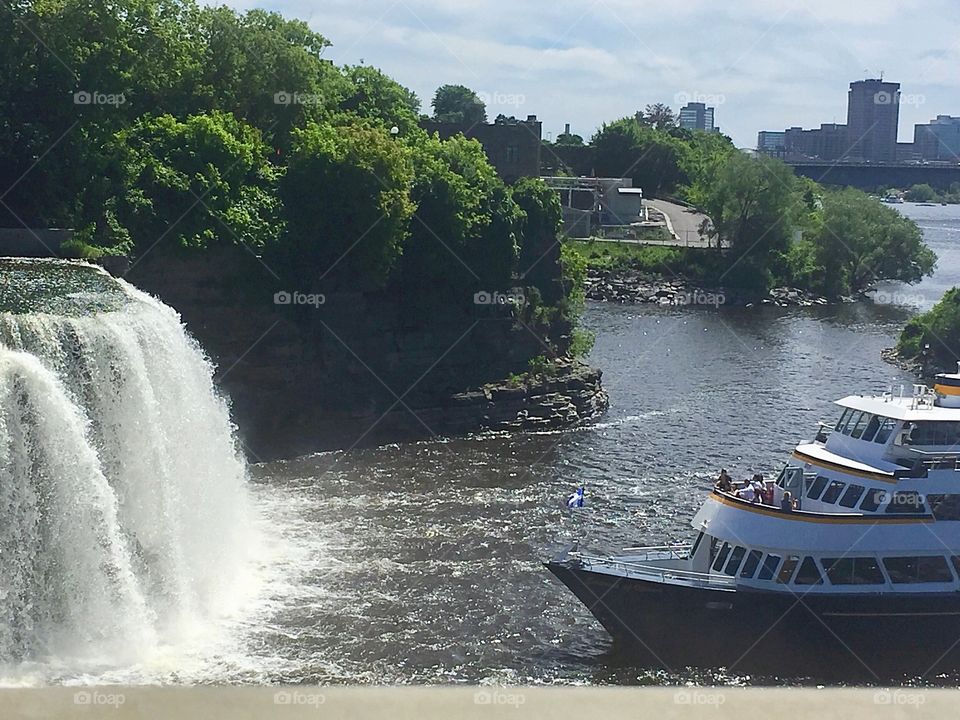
column 360, row 368
column 631, row 286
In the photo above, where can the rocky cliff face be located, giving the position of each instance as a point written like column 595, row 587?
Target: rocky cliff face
column 355, row 369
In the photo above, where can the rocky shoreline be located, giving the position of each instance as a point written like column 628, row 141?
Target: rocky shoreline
column 573, row 396
column 630, row 286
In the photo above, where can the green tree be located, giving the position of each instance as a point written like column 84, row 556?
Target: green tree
column 569, row 139
column 658, row 116
column 752, row 208
column 346, row 201
column 922, row 193
column 539, row 263
column 458, row 104
column 653, row 160
column 463, row 238
column 191, row 184
column 934, row 336
column 862, row 241
column 374, row 95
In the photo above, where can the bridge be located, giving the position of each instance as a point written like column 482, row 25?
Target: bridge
column 868, row 176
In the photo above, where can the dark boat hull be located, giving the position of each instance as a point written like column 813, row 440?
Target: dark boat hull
column 846, row 638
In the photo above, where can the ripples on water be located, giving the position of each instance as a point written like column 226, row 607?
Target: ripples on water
column 421, row 563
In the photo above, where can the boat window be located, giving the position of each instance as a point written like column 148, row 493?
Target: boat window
column 750, row 566
column 858, row 429
column 789, row 565
column 844, row 416
column 873, row 499
column 736, row 557
column 956, row 563
column 817, row 487
column 770, row 564
column 918, row 569
column 886, row 427
column 871, row 428
column 905, row 501
column 833, row 491
column 934, row 433
column 808, row 574
column 944, row 507
column 696, row 544
column 851, row 422
column 721, row 557
column 853, row 571
column 713, row 548
column 851, row 496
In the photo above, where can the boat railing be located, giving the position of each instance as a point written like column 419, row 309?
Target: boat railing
column 936, row 459
column 662, row 574
column 660, row 552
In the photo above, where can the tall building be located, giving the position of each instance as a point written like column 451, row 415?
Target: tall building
column 697, row 116
column 771, row 142
column 828, row 142
column 873, row 114
column 939, row 139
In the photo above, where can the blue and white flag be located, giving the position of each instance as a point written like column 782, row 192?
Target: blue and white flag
column 575, row 499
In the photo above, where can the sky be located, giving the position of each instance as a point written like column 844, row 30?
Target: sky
column 763, row 64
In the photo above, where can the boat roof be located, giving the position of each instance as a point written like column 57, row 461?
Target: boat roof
column 819, row 452
column 899, row 408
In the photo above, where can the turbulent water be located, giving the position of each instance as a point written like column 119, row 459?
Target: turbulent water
column 124, row 526
column 124, row 521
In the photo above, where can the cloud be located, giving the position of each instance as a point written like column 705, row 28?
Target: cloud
column 589, row 61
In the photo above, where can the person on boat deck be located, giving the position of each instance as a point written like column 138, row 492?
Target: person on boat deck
column 786, row 503
column 747, row 492
column 758, row 491
column 724, row 482
column 767, row 491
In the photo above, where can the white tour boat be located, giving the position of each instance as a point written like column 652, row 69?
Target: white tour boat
column 860, row 569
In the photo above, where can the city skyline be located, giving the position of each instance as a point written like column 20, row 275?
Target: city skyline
column 760, row 67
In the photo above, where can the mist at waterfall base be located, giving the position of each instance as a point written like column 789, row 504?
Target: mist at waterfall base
column 126, row 548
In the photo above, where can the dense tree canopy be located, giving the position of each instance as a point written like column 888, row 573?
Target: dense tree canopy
column 458, row 104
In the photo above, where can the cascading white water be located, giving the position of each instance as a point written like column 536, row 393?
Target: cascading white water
column 124, row 522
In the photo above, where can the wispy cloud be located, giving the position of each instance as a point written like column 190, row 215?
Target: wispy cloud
column 586, row 62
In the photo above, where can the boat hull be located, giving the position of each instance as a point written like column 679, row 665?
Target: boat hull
column 847, row 638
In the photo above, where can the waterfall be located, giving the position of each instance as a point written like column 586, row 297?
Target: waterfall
column 124, row 523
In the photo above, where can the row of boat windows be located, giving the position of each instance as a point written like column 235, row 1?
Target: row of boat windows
column 848, row 495
column 876, row 428
column 734, row 560
column 943, row 506
column 865, row 426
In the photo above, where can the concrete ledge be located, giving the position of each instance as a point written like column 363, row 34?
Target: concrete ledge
column 473, row 703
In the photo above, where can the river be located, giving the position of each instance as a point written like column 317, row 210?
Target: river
column 421, row 563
